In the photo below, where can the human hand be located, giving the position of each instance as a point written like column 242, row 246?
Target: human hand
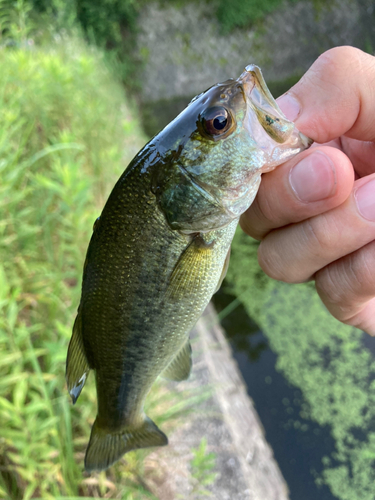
column 315, row 214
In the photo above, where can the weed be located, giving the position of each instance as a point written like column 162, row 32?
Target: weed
column 65, row 136
column 202, row 468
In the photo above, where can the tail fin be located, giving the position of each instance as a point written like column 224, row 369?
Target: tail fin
column 106, row 447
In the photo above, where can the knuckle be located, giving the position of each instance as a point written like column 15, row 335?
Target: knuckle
column 361, row 266
column 267, row 259
column 337, row 59
column 272, row 262
column 263, row 211
column 268, row 262
column 346, row 285
column 330, row 286
column 319, row 235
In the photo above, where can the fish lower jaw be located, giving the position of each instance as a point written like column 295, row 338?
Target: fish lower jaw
column 236, row 206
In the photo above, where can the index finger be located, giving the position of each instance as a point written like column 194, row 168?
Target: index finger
column 335, row 97
column 312, row 183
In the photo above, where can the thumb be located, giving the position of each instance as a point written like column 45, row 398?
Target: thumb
column 335, row 97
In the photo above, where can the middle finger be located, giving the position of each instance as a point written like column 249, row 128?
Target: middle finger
column 295, row 253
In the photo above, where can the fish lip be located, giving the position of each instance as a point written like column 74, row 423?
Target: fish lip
column 259, row 98
column 252, row 78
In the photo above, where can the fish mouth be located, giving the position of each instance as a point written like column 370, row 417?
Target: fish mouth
column 264, row 120
column 256, row 89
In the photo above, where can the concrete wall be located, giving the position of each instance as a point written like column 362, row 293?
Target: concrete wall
column 185, row 51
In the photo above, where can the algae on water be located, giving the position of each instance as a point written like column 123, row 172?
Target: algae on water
column 325, row 359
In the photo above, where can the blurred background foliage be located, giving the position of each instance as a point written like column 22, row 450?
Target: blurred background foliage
column 113, row 24
column 69, row 124
column 59, row 126
column 66, row 133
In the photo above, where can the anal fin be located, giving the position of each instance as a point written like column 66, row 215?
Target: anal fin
column 77, row 367
column 180, row 366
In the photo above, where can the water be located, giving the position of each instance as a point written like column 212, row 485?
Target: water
column 298, row 450
column 312, row 380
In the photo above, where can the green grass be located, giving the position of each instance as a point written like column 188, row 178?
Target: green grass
column 202, row 467
column 244, row 13
column 66, row 134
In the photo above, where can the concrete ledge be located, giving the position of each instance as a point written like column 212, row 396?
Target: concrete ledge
column 245, row 466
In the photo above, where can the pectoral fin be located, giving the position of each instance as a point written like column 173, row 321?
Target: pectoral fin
column 224, row 271
column 77, row 367
column 191, row 269
column 180, row 366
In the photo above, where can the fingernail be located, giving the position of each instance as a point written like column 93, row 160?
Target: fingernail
column 365, row 199
column 289, row 106
column 313, row 178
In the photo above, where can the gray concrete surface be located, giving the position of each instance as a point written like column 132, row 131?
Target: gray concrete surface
column 245, row 466
column 186, row 52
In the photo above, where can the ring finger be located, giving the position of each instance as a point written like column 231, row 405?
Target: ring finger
column 347, row 288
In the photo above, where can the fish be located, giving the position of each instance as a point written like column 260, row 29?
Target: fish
column 160, row 250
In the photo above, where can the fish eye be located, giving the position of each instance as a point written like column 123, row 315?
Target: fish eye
column 215, row 121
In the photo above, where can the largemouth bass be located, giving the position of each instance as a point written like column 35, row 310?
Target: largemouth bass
column 160, row 250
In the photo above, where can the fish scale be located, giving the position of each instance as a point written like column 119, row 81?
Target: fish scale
column 160, row 250
column 115, row 299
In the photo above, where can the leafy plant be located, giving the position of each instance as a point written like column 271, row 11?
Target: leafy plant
column 202, row 467
column 66, row 133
